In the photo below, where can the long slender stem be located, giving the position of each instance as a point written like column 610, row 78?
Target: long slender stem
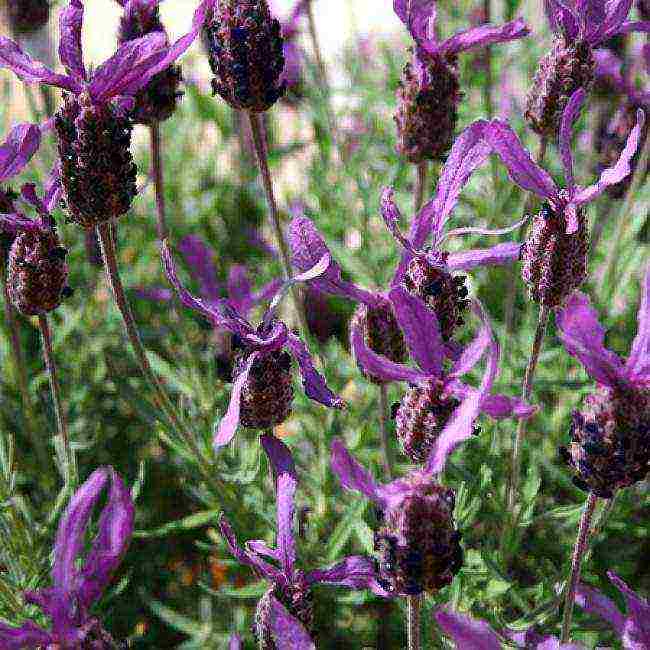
column 576, row 562
column 315, row 44
column 160, row 396
column 420, row 183
column 414, row 624
column 542, row 324
column 61, row 424
column 383, row 427
column 259, row 139
column 158, row 180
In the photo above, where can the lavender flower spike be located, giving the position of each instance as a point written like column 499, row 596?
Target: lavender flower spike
column 570, row 65
column 633, row 629
column 284, row 619
column 262, row 392
column 429, row 92
column 93, row 131
column 610, row 435
column 467, row 632
column 76, row 588
column 555, row 254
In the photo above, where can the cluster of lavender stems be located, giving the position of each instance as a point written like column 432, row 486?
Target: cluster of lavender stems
column 245, row 48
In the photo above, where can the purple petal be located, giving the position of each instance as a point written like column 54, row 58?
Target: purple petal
column 70, row 52
column 239, row 289
column 483, row 36
column 498, row 255
column 634, row 26
column 129, row 68
column 569, row 118
column 292, row 73
column 235, row 642
column 288, row 632
column 30, row 71
column 109, row 546
column 421, row 330
column 391, row 215
column 154, row 293
column 356, row 572
column 267, row 291
column 615, row 174
column 638, row 363
column 315, row 271
column 583, row 337
column 28, row 635
column 617, row 12
column 200, row 262
column 472, row 353
column 376, row 364
column 262, row 568
column 72, row 527
column 260, row 547
column 352, row 475
column 185, row 296
column 308, row 248
column 286, row 482
column 17, row 150
column 230, row 421
column 561, row 18
column 521, row 168
column 53, row 188
column 637, row 627
column 467, row 632
column 594, row 602
column 502, row 406
column 418, row 15
column 313, row 382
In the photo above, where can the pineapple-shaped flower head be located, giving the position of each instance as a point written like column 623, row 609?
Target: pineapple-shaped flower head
column 284, row 617
column 570, row 64
column 555, row 254
column 155, row 102
column 27, row 16
column 262, row 392
column 93, row 128
column 37, row 272
column 610, row 434
column 245, row 49
column 77, row 587
column 429, row 91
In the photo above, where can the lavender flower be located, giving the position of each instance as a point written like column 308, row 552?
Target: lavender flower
column 156, row 101
column 610, row 435
column 434, row 396
column 284, row 617
column 262, row 392
column 37, row 273
column 27, row 16
column 429, row 92
column 245, row 48
column 633, row 629
column 569, row 66
column 76, row 588
column 425, row 272
column 93, row 131
column 241, row 298
column 468, row 632
column 555, row 253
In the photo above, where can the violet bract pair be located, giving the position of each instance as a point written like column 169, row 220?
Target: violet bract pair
column 284, row 618
column 262, row 392
column 77, row 588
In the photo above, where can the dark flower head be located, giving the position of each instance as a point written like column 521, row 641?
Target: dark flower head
column 77, row 587
column 633, row 628
column 570, row 65
column 37, row 272
column 429, row 92
column 27, row 16
column 157, row 100
column 610, row 435
column 555, row 254
column 262, row 392
column 284, row 614
column 93, row 130
column 245, row 48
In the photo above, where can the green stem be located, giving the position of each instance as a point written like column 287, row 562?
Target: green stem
column 414, row 624
column 69, row 462
column 576, row 562
column 158, row 180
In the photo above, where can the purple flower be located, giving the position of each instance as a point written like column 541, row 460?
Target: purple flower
column 262, row 392
column 434, row 397
column 429, row 91
column 610, row 446
column 284, row 614
column 76, row 588
column 633, row 629
column 468, row 632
